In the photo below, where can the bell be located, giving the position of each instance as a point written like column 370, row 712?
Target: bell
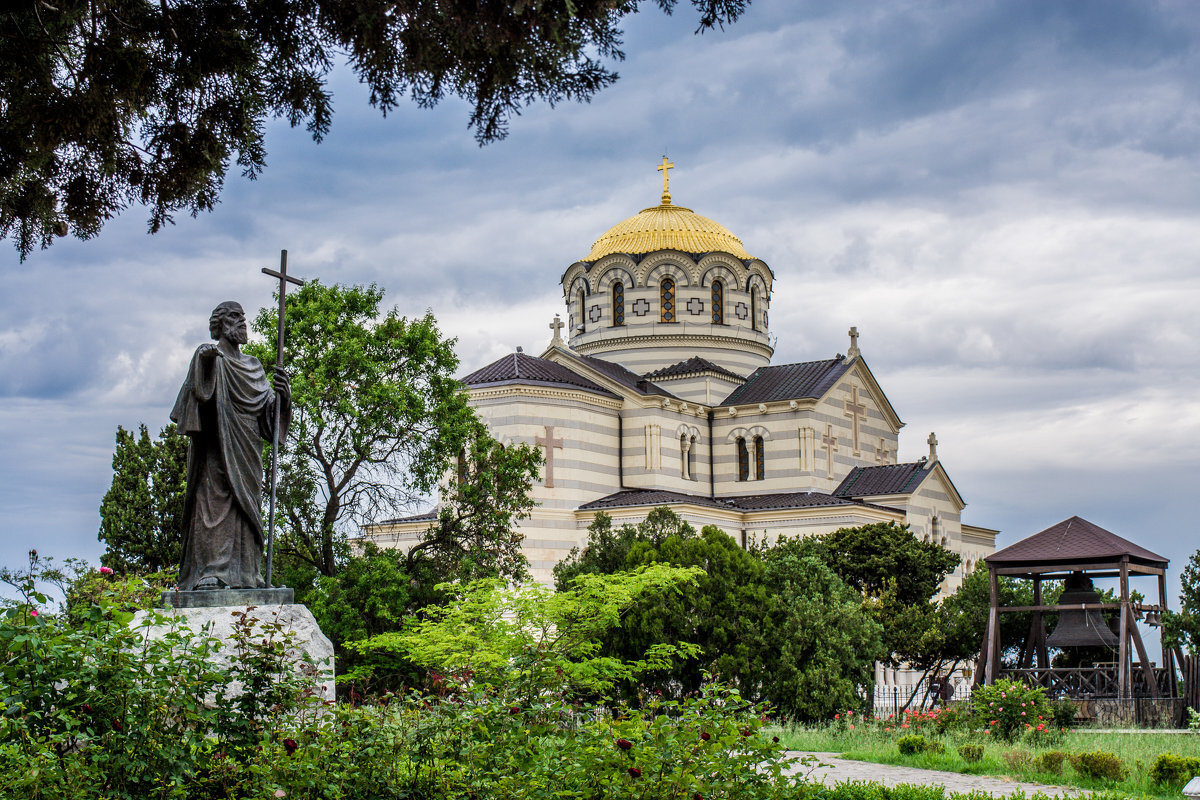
column 1080, row 627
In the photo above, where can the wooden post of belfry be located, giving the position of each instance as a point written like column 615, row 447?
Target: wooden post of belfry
column 992, row 665
column 284, row 280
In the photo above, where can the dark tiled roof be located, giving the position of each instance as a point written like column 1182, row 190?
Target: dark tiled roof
column 884, row 479
column 747, row 502
column 616, row 372
column 692, row 365
column 1073, row 540
column 788, row 382
column 524, row 368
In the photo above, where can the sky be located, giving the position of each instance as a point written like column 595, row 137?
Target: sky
column 1002, row 196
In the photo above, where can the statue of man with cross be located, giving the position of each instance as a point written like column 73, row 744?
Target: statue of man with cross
column 227, row 408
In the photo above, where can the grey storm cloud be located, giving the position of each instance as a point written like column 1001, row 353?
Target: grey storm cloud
column 1000, row 195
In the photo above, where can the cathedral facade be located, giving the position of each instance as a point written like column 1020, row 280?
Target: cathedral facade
column 658, row 389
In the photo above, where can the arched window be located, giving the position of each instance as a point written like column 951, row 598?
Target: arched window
column 691, row 457
column 718, row 303
column 618, row 301
column 760, row 459
column 582, row 326
column 754, row 309
column 743, row 460
column 666, row 297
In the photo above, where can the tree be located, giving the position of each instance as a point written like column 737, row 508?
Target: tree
column 141, row 515
column 822, row 648
column 377, row 415
column 872, row 557
column 723, row 614
column 124, row 101
column 481, row 500
column 1182, row 628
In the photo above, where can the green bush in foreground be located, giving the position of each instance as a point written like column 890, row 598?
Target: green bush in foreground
column 971, row 753
column 1170, row 768
column 912, row 745
column 1052, row 761
column 1099, row 765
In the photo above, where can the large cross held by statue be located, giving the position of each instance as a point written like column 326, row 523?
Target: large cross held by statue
column 284, row 280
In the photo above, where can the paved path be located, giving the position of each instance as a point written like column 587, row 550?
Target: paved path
column 841, row 770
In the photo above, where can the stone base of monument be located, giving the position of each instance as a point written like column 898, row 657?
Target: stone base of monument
column 217, row 611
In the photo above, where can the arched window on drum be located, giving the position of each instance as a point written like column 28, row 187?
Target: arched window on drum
column 581, row 326
column 666, row 296
column 618, row 304
column 718, row 303
column 743, row 456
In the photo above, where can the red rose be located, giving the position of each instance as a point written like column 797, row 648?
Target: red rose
column 624, row 744
column 514, row 710
column 290, row 745
column 634, row 772
column 745, row 732
column 705, row 736
column 87, row 707
column 118, row 726
column 775, row 739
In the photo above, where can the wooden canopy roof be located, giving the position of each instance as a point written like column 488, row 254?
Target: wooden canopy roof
column 1074, row 545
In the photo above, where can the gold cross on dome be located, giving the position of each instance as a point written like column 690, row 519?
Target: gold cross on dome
column 665, row 168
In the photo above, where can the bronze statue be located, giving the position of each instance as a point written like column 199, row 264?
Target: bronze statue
column 227, row 408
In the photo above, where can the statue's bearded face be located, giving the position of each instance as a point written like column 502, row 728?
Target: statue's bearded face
column 228, row 321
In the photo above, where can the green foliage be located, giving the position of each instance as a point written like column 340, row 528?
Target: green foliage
column 377, row 415
column 1182, row 628
column 120, row 102
column 912, row 745
column 1063, row 712
column 141, row 515
column 480, row 504
column 971, row 753
column 872, row 558
column 1008, row 708
column 1052, row 761
column 821, row 648
column 1098, row 765
column 1173, row 769
column 116, row 592
column 523, row 642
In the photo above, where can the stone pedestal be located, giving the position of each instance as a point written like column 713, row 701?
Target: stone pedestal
column 213, row 612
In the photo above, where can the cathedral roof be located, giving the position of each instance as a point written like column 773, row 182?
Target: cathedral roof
column 788, row 382
column 1074, row 541
column 619, row 374
column 524, row 368
column 884, row 479
column 691, row 366
column 667, row 227
column 748, row 502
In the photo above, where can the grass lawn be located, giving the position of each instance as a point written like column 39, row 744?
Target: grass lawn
column 1019, row 760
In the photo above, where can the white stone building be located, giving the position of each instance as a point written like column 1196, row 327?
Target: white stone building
column 663, row 393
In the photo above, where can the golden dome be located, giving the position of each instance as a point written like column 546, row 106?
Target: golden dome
column 667, row 227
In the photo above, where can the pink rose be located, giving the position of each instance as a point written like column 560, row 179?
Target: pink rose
column 106, row 570
column 33, row 613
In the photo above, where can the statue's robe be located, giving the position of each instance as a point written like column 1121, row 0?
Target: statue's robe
column 226, row 407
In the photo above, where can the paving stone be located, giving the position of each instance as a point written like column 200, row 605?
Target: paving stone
column 840, row 770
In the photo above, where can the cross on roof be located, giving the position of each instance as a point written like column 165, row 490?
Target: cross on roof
column 557, row 327
column 665, row 168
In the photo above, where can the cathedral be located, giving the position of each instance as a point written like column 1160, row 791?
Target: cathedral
column 659, row 390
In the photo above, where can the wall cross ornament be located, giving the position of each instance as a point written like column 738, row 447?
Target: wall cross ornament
column 741, row 310
column 829, row 443
column 695, row 306
column 594, row 314
column 856, row 411
column 641, row 307
column 549, row 444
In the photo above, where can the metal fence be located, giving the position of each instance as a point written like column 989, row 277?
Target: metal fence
column 892, row 698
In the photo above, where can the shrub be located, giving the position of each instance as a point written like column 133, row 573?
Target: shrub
column 913, row 744
column 1018, row 760
column 1171, row 768
column 1098, row 764
column 971, row 753
column 1052, row 761
column 1063, row 711
column 1007, row 708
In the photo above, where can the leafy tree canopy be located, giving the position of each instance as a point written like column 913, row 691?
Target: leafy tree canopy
column 141, row 515
column 872, row 558
column 377, row 415
column 107, row 103
column 1183, row 627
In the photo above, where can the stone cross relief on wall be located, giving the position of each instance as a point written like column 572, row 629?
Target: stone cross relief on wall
column 549, row 445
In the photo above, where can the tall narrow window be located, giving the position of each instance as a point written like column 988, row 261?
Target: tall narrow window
column 718, row 303
column 743, row 460
column 618, row 301
column 691, row 459
column 667, row 300
column 582, row 313
column 754, row 309
column 760, row 459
